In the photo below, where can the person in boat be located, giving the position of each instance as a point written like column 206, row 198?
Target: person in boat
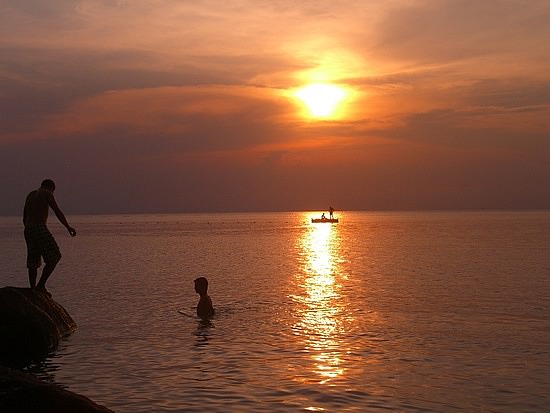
column 323, row 216
column 205, row 310
column 40, row 242
column 331, row 212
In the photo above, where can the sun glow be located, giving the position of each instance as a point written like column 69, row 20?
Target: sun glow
column 321, row 99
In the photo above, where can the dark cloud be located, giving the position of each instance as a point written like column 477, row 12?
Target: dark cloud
column 510, row 93
column 41, row 9
column 40, row 82
column 441, row 32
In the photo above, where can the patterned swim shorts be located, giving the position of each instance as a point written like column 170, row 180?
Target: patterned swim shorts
column 40, row 243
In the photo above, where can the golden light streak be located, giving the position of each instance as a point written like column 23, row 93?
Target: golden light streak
column 320, row 299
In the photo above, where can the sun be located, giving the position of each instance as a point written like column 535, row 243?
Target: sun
column 321, row 99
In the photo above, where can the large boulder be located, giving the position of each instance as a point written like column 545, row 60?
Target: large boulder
column 22, row 393
column 31, row 325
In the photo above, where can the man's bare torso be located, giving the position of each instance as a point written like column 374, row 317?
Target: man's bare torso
column 36, row 207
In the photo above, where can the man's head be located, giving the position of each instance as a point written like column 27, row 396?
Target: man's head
column 48, row 184
column 201, row 285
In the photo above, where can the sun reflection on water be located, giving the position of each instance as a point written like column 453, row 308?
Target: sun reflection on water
column 318, row 298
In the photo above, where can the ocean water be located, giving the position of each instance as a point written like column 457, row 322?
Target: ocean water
column 409, row 312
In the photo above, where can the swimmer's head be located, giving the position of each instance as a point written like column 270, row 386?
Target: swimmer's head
column 201, row 285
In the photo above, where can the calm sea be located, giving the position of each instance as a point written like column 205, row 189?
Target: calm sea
column 411, row 312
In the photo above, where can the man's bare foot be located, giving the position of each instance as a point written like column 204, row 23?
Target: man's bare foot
column 42, row 289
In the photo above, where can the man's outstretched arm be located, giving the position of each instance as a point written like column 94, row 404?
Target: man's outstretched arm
column 60, row 216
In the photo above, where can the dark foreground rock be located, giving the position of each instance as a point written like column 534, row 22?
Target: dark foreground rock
column 31, row 325
column 22, row 393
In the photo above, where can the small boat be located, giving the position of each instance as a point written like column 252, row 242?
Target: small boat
column 323, row 220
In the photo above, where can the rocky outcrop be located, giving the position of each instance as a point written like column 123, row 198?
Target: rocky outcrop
column 31, row 325
column 22, row 393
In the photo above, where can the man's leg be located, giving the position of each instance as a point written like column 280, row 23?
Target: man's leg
column 33, row 259
column 32, row 277
column 51, row 255
column 46, row 272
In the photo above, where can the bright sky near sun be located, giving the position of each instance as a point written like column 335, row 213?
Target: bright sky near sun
column 159, row 105
column 321, row 99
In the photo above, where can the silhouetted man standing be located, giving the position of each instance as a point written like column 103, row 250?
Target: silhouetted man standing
column 40, row 241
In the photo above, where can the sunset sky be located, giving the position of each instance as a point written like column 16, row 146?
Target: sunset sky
column 177, row 106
